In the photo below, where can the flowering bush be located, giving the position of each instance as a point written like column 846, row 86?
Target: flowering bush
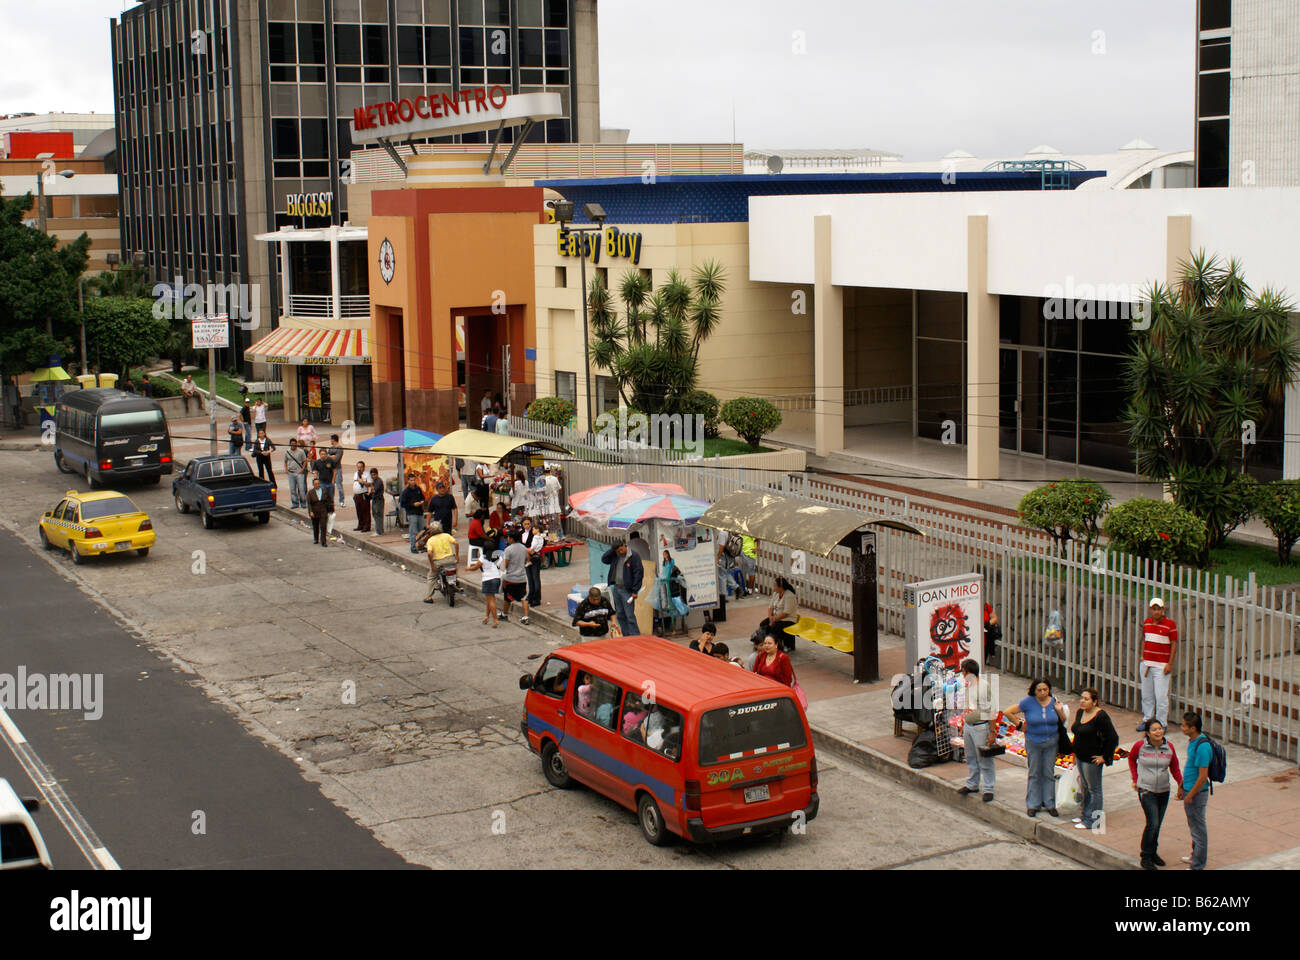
column 557, row 411
column 1157, row 530
column 751, row 418
column 1067, row 510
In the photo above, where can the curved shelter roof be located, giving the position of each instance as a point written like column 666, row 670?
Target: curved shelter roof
column 482, row 446
column 794, row 523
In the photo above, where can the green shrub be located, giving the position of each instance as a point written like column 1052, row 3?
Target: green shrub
column 1157, row 530
column 751, row 418
column 1221, row 496
column 701, row 403
column 556, row 411
column 1278, row 505
column 163, row 386
column 1067, row 510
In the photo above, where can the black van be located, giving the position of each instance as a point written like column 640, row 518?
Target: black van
column 106, row 434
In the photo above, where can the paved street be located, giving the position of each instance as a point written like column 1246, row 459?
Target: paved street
column 277, row 686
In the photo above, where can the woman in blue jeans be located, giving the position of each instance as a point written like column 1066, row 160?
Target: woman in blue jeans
column 1095, row 741
column 1152, row 762
column 1039, row 714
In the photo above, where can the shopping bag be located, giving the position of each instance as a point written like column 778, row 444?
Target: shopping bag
column 798, row 692
column 680, row 608
column 329, row 523
column 1069, row 796
column 1054, row 635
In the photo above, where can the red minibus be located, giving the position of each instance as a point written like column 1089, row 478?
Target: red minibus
column 696, row 746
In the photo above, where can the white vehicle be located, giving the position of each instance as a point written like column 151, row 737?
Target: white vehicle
column 21, row 846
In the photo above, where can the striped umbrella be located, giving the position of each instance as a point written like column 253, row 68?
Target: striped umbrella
column 400, row 440
column 598, row 504
column 676, row 507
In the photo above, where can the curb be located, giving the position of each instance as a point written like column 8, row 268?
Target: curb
column 21, row 445
column 1062, row 840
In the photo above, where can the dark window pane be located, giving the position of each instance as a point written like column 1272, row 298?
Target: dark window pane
column 1264, row 457
column 348, row 74
column 284, row 139
column 1216, row 14
column 280, row 43
column 347, row 43
column 1063, row 329
column 375, row 39
column 557, row 131
column 314, row 142
column 1020, row 319
column 344, row 137
column 471, row 47
column 437, row 45
column 376, row 74
column 558, row 78
column 284, row 74
column 1212, row 153
column 1108, row 332
column 311, row 43
column 410, row 46
column 557, row 13
column 939, row 389
column 1103, row 438
column 438, row 75
column 496, row 12
column 1214, row 95
column 557, row 48
column 1216, row 54
column 531, row 77
column 530, row 48
column 471, row 77
column 311, row 74
column 1062, row 405
column 940, row 315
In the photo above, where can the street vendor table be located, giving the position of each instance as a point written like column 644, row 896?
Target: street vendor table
column 560, row 552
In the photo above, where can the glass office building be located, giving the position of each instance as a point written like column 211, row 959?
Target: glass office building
column 233, row 115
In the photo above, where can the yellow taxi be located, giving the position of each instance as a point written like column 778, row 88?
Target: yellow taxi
column 96, row 522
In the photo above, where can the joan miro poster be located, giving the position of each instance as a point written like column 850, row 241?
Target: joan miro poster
column 945, row 618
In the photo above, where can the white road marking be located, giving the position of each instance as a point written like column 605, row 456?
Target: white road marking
column 56, row 798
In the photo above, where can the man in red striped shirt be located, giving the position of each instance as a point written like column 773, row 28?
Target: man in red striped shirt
column 1159, row 644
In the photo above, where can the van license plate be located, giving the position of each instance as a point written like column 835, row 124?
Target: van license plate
column 754, row 794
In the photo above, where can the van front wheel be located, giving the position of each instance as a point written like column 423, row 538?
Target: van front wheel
column 557, row 775
column 652, row 821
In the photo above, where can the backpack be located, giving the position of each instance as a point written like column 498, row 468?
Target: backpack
column 1218, row 760
column 733, row 546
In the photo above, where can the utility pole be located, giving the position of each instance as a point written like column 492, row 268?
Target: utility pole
column 590, row 235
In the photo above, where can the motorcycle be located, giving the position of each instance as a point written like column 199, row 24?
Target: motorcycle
column 449, row 583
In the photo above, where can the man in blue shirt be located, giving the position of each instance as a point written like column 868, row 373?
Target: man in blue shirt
column 1194, row 791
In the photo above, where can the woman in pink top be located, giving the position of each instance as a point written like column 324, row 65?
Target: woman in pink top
column 771, row 662
column 306, row 433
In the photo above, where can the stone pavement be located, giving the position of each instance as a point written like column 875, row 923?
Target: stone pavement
column 1254, row 818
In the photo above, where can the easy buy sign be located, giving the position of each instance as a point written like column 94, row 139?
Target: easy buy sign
column 614, row 242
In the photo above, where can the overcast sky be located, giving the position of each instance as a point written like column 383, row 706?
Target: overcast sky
column 917, row 77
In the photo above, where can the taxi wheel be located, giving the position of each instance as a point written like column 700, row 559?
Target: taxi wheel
column 45, row 541
column 77, row 558
column 181, row 505
column 142, row 552
column 557, row 775
column 652, row 821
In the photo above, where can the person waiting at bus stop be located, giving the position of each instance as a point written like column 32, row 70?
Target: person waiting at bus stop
column 625, row 574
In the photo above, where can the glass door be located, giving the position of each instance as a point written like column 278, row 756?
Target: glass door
column 1009, row 398
column 1022, row 414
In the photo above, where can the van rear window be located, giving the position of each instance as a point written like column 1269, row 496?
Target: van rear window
column 128, row 424
column 740, row 730
column 16, row 843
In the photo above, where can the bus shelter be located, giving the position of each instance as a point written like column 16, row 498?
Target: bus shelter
column 818, row 529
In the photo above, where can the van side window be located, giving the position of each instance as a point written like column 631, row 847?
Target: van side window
column 652, row 725
column 597, row 700
column 553, row 679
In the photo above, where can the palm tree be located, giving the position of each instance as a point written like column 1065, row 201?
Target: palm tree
column 652, row 353
column 1214, row 363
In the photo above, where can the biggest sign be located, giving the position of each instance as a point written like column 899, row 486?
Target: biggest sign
column 210, row 333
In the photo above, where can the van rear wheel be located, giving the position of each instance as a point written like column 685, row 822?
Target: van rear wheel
column 553, row 768
column 653, row 827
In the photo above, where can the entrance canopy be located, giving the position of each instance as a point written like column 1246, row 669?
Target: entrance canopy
column 296, row 345
column 482, row 446
column 794, row 523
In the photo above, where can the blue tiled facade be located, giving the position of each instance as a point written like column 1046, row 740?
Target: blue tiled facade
column 725, row 199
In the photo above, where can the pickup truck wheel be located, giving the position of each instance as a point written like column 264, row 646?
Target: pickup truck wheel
column 208, row 522
column 557, row 775
column 653, row 827
column 264, row 517
column 142, row 552
column 181, row 505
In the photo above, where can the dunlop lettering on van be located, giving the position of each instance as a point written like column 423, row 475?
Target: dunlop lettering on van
column 751, row 708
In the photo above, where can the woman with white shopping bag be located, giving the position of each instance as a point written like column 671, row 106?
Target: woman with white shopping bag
column 774, row 663
column 1040, row 714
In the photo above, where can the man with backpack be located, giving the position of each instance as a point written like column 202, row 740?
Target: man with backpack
column 1206, row 762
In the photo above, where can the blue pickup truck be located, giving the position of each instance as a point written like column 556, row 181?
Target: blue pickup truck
column 219, row 487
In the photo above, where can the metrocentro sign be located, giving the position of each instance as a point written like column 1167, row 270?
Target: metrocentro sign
column 467, row 111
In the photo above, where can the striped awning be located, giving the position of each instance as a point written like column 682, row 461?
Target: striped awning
column 312, row 347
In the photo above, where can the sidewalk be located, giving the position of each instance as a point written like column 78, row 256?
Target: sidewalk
column 1254, row 818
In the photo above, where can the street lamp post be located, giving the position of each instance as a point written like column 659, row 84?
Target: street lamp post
column 564, row 216
column 46, row 158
